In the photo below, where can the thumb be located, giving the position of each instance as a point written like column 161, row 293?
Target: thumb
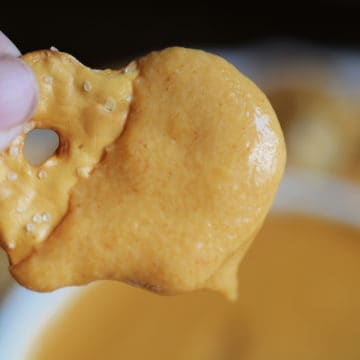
column 18, row 97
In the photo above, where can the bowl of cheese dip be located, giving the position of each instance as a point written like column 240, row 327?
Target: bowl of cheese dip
column 297, row 297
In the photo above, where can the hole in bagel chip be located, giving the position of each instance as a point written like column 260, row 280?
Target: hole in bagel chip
column 40, row 145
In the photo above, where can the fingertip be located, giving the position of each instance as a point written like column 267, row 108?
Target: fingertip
column 18, row 92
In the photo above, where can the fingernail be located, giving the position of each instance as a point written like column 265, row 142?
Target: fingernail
column 7, row 46
column 18, row 92
column 6, row 136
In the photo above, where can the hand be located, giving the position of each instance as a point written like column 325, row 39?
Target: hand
column 18, row 92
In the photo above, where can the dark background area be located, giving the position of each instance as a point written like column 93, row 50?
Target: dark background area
column 106, row 34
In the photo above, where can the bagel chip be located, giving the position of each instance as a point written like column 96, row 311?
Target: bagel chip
column 164, row 174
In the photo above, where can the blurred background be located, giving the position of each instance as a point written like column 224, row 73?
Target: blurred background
column 306, row 59
column 102, row 34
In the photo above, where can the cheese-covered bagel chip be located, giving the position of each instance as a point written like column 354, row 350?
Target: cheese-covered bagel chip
column 87, row 109
column 164, row 174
